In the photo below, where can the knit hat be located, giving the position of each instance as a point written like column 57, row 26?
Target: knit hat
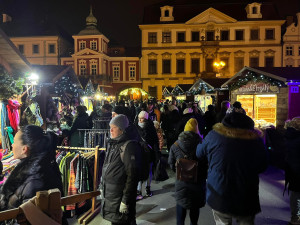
column 120, row 121
column 143, row 114
column 294, row 123
column 238, row 120
column 192, row 125
column 119, row 109
column 156, row 124
column 187, row 110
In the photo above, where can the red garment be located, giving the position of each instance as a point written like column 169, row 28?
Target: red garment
column 13, row 114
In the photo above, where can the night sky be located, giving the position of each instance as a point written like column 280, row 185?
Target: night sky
column 117, row 19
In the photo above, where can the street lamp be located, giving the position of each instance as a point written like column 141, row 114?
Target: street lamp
column 219, row 65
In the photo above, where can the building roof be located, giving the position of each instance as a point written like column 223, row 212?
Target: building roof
column 188, row 9
column 12, row 55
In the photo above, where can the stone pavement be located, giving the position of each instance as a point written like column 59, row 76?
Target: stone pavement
column 160, row 208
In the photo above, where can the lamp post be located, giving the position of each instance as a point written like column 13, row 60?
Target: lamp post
column 219, row 65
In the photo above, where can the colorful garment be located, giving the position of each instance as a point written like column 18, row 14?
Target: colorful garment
column 13, row 114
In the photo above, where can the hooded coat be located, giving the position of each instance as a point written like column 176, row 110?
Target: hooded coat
column 80, row 122
column 236, row 155
column 119, row 180
column 189, row 195
column 31, row 175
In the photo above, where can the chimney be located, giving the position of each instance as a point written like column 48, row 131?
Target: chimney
column 6, row 18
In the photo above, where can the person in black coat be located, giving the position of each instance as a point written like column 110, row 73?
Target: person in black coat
column 222, row 113
column 189, row 196
column 187, row 115
column 120, row 175
column 37, row 170
column 292, row 170
column 210, row 119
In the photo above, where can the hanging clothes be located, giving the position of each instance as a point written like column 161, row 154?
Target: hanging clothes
column 13, row 113
column 4, row 123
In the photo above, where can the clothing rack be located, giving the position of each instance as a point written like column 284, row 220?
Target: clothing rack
column 89, row 136
column 50, row 203
column 89, row 215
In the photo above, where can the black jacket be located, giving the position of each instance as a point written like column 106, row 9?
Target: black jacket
column 292, row 171
column 32, row 174
column 119, row 180
column 80, row 122
column 189, row 195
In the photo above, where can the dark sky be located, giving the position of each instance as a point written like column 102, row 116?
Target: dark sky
column 117, row 19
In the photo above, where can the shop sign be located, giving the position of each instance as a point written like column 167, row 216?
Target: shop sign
column 258, row 88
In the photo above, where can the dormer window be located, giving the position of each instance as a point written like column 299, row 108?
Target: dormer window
column 166, row 14
column 254, row 11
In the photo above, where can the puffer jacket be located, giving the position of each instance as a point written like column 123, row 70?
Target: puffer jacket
column 292, row 170
column 119, row 179
column 31, row 175
column 189, row 195
column 235, row 157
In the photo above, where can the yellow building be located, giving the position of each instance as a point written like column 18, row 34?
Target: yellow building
column 291, row 44
column 181, row 42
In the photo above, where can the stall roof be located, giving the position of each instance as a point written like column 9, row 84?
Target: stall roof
column 290, row 73
column 11, row 54
column 183, row 87
column 48, row 74
column 168, row 89
column 255, row 70
column 215, row 82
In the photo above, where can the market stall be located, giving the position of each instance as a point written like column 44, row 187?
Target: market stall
column 133, row 94
column 181, row 91
column 263, row 95
column 167, row 93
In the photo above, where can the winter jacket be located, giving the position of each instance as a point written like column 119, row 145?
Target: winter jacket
column 80, row 122
column 31, row 175
column 119, row 180
column 292, row 170
column 235, row 157
column 148, row 133
column 189, row 195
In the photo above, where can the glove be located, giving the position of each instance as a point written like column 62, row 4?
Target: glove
column 123, row 208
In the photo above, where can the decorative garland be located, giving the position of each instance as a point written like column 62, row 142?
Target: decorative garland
column 202, row 86
column 254, row 77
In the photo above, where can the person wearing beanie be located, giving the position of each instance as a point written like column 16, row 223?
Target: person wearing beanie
column 148, row 135
column 120, row 174
column 236, row 156
column 189, row 196
column 292, row 167
column 150, row 110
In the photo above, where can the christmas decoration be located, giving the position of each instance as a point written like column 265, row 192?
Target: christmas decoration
column 9, row 87
column 255, row 77
column 200, row 87
column 89, row 89
column 66, row 85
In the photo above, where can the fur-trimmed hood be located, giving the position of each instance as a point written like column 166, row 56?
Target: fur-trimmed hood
column 237, row 132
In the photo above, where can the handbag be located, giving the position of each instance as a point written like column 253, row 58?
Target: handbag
column 186, row 169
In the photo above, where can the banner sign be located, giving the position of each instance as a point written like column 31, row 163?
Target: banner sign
column 261, row 87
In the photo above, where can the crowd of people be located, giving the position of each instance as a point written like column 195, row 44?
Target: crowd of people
column 230, row 154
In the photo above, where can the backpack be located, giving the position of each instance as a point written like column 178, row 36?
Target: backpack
column 145, row 158
column 186, row 169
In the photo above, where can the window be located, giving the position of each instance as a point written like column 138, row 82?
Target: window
column 131, row 70
column 181, row 37
column 254, row 34
column 254, row 10
column 269, row 34
column 35, row 49
column 81, row 45
column 224, row 35
column 152, row 63
column 93, row 69
column 51, row 48
column 209, row 65
column 289, row 50
column 152, row 37
column 210, row 35
column 195, row 36
column 167, row 13
column 254, row 62
column 166, row 66
column 238, row 63
column 94, row 45
column 152, row 91
column 239, row 35
column 195, row 66
column 82, row 69
column 269, row 61
column 116, row 71
column 166, row 37
column 21, row 48
column 180, row 65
